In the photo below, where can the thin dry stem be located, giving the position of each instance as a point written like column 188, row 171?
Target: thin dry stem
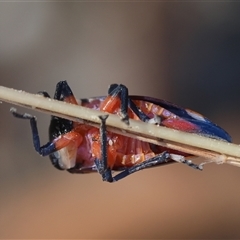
column 214, row 150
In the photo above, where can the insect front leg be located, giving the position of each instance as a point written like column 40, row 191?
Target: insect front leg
column 63, row 92
column 42, row 150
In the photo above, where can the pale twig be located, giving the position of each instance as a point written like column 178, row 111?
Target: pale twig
column 212, row 149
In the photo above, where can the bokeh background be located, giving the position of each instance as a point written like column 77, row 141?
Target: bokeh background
column 187, row 53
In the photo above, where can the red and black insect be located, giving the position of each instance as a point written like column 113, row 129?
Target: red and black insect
column 80, row 148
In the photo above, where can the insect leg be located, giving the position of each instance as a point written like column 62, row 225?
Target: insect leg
column 159, row 159
column 62, row 91
column 102, row 165
column 142, row 116
column 181, row 159
column 106, row 172
column 42, row 150
column 122, row 91
column 44, row 93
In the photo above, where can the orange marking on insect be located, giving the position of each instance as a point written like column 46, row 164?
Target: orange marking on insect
column 113, row 105
column 149, row 108
column 110, row 104
column 68, row 138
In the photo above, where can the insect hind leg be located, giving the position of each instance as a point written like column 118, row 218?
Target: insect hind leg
column 157, row 160
column 181, row 159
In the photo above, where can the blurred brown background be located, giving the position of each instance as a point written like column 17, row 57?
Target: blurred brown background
column 187, row 53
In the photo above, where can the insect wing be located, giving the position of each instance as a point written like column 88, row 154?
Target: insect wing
column 188, row 121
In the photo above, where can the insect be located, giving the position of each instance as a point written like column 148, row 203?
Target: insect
column 80, row 148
